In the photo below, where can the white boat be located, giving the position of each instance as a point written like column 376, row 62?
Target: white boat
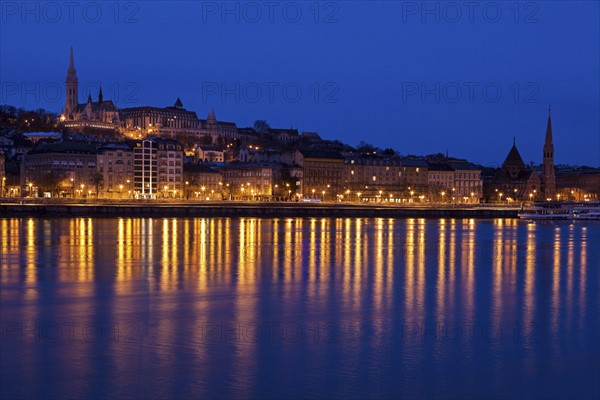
column 594, row 215
column 545, row 211
column 564, row 210
column 586, row 211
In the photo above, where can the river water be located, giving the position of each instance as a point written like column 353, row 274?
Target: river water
column 288, row 308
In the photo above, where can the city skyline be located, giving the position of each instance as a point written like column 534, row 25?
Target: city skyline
column 411, row 124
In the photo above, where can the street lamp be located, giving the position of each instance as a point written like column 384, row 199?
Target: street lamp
column 30, row 189
column 121, row 191
column 313, row 193
column 443, row 194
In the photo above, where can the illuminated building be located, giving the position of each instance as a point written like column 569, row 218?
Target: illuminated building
column 158, row 168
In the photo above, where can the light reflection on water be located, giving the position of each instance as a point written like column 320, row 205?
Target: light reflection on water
column 155, row 308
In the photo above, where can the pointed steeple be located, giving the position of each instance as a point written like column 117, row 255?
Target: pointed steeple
column 178, row 103
column 548, row 175
column 72, row 87
column 549, row 128
column 100, row 97
column 72, row 61
column 89, row 98
column 211, row 115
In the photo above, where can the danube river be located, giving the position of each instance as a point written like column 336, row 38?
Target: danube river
column 282, row 308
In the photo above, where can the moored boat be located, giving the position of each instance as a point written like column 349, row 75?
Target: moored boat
column 564, row 210
column 586, row 211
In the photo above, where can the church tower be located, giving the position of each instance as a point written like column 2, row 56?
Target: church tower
column 72, row 86
column 548, row 178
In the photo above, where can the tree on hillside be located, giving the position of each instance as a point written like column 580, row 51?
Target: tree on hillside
column 261, row 126
column 364, row 147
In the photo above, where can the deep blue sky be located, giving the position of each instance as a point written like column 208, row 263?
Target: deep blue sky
column 369, row 63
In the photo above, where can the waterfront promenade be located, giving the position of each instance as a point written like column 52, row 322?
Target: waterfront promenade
column 175, row 208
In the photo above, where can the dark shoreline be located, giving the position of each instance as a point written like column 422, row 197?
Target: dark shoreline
column 264, row 210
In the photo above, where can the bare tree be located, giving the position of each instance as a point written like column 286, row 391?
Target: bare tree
column 96, row 178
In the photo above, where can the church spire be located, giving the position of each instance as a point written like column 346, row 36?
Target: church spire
column 72, row 87
column 71, row 61
column 548, row 176
column 549, row 128
column 100, row 97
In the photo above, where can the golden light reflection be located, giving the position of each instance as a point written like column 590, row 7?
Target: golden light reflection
column 556, row 280
column 530, row 262
column 421, row 287
column 30, row 257
column 441, row 269
column 166, row 281
column 312, row 253
column 468, row 262
column 570, row 268
column 356, row 265
column 359, row 250
column 452, row 264
column 498, row 255
column 583, row 262
column 410, row 265
column 379, row 260
column 276, row 250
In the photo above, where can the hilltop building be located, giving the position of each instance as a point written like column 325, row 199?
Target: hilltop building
column 174, row 122
column 100, row 115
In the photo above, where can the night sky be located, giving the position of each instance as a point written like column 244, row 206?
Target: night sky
column 419, row 77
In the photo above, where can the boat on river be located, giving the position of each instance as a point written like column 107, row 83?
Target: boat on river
column 561, row 211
